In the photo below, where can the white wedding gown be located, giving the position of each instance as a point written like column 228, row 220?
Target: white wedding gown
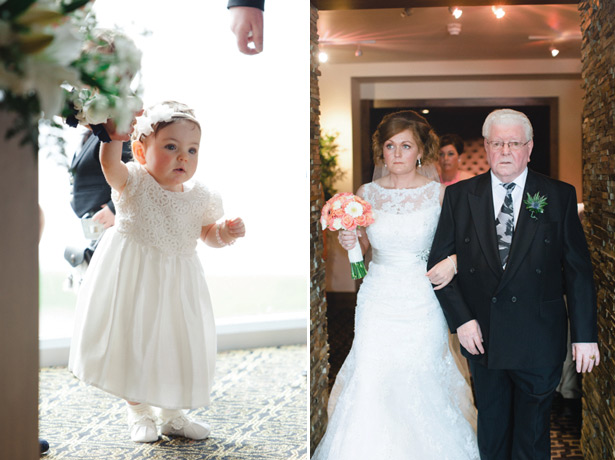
column 399, row 394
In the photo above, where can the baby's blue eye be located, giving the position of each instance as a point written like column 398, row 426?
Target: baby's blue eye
column 193, row 151
column 170, row 147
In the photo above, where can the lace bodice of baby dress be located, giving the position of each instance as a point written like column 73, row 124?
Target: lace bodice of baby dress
column 169, row 221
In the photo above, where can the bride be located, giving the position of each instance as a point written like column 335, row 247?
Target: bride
column 399, row 394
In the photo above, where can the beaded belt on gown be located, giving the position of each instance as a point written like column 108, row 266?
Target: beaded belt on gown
column 399, row 259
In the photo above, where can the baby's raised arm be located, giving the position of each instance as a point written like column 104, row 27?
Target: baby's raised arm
column 113, row 167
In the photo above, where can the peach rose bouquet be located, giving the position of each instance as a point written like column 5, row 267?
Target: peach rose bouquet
column 347, row 211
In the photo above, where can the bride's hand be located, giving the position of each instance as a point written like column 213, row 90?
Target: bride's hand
column 347, row 239
column 441, row 274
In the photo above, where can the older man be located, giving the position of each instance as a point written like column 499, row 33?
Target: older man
column 520, row 248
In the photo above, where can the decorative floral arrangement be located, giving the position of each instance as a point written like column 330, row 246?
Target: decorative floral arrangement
column 535, row 204
column 45, row 65
column 107, row 65
column 347, row 211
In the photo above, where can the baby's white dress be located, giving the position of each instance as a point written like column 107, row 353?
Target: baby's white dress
column 144, row 326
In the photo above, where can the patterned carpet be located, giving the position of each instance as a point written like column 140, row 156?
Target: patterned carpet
column 258, row 412
column 565, row 416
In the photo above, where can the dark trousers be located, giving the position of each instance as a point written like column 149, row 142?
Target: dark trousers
column 514, row 410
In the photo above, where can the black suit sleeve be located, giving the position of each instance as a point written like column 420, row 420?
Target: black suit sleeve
column 455, row 309
column 260, row 4
column 577, row 267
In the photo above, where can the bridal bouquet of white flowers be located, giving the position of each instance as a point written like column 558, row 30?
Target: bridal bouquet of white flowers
column 347, row 211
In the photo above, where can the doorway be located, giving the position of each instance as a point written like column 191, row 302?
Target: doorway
column 465, row 117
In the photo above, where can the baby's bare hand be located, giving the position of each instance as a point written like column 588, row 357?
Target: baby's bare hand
column 236, row 228
column 115, row 135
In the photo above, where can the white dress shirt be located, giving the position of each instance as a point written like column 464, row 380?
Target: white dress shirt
column 499, row 193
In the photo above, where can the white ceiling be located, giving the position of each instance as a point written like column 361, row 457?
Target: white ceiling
column 423, row 35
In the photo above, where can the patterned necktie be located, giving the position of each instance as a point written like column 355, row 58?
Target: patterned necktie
column 505, row 224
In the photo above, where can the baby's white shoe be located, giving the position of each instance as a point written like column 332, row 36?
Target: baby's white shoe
column 142, row 423
column 175, row 423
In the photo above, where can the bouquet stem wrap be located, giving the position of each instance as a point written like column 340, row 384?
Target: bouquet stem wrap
column 357, row 265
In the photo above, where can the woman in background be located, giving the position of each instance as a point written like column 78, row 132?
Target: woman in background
column 451, row 148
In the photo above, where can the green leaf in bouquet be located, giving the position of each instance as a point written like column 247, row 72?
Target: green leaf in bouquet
column 34, row 43
column 39, row 17
column 100, row 83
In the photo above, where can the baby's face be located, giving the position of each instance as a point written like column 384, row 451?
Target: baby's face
column 171, row 156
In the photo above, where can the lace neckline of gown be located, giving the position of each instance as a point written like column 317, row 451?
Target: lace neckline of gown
column 403, row 200
column 409, row 189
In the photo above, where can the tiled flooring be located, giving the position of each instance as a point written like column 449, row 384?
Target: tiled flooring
column 565, row 416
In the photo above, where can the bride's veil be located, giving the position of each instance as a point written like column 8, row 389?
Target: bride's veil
column 428, row 170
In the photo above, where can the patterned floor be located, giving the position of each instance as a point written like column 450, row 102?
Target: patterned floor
column 565, row 416
column 258, row 412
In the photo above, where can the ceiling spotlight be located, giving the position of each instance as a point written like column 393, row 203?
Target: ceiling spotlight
column 406, row 12
column 358, row 52
column 425, row 111
column 455, row 11
column 498, row 11
column 323, row 57
column 554, row 51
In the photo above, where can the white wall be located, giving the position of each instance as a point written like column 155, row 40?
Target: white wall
column 529, row 78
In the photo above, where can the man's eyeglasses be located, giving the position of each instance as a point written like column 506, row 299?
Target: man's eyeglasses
column 512, row 145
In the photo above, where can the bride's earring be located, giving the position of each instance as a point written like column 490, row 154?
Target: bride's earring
column 419, row 160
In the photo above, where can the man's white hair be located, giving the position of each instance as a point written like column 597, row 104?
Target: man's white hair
column 508, row 117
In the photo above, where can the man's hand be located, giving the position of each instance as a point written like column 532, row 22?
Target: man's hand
column 470, row 337
column 247, row 25
column 104, row 217
column 586, row 356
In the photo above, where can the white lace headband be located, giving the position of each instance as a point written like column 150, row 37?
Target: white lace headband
column 156, row 114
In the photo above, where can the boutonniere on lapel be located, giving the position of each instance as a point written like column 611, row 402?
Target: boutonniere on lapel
column 535, row 204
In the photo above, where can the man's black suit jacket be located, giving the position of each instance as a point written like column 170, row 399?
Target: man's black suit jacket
column 260, row 4
column 90, row 188
column 521, row 311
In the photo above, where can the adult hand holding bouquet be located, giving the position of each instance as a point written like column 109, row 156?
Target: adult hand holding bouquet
column 345, row 211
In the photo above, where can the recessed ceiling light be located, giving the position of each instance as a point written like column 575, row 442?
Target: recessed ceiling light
column 498, row 11
column 455, row 11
